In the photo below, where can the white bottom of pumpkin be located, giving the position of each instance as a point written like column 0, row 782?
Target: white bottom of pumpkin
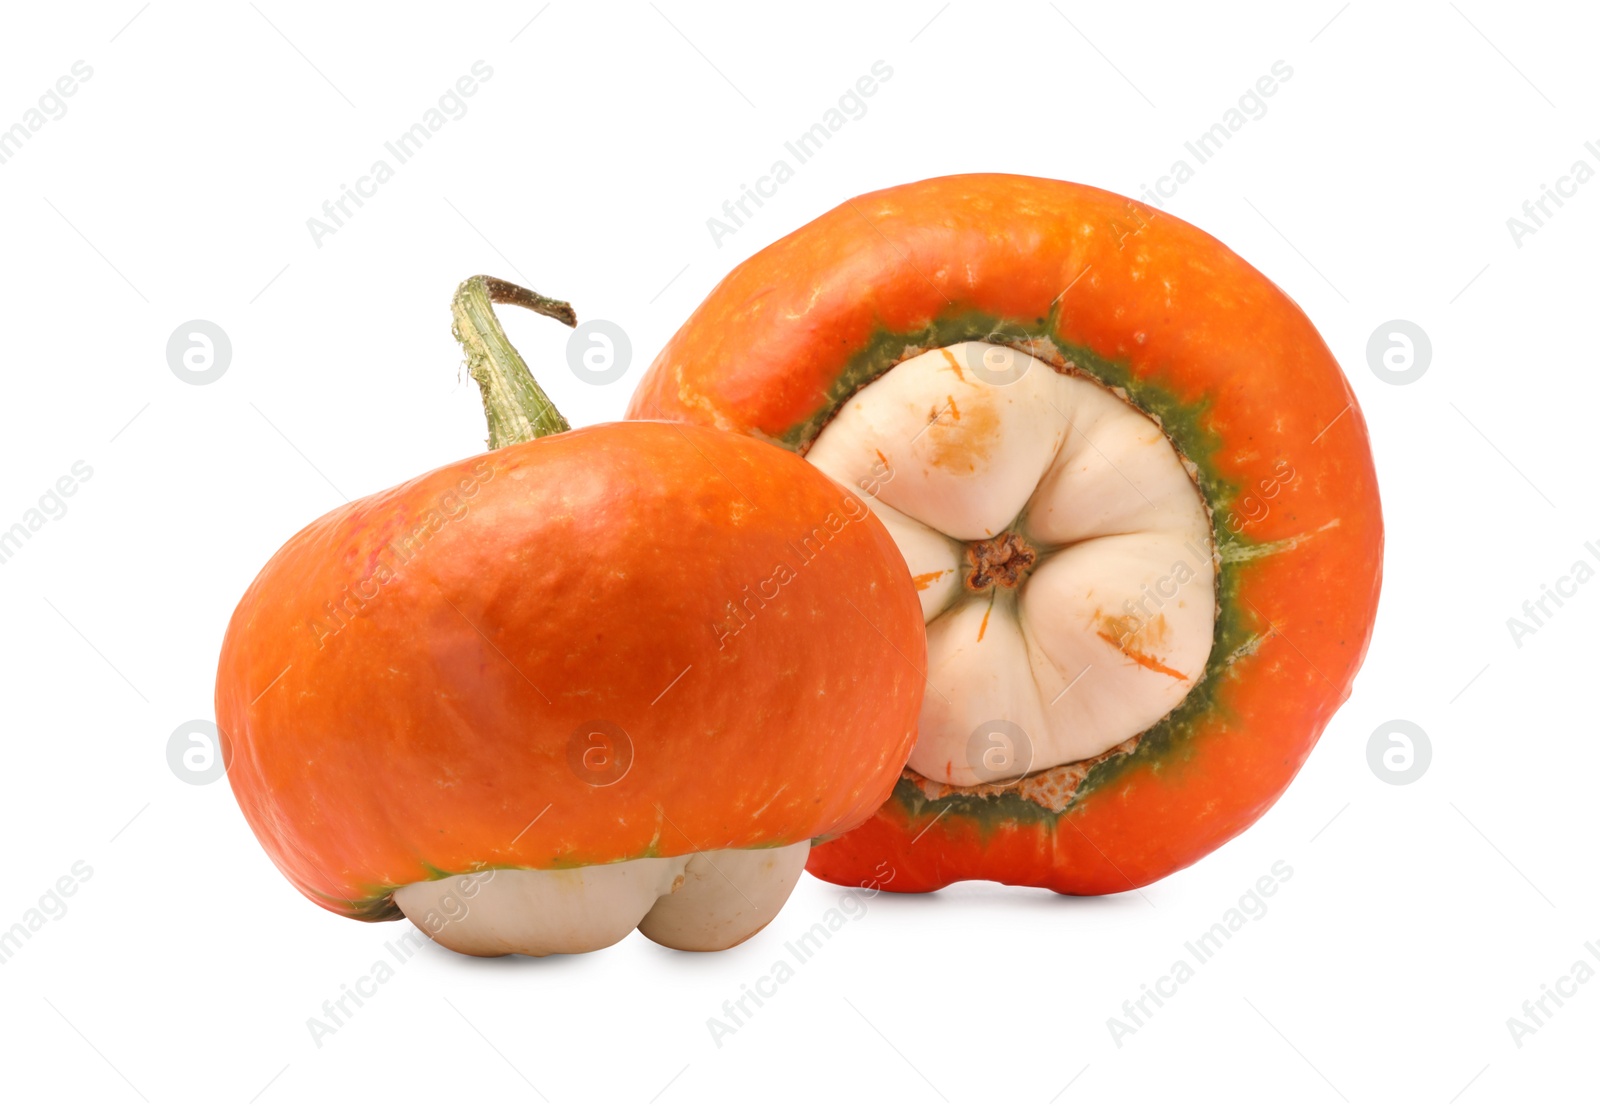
column 702, row 902
column 1061, row 547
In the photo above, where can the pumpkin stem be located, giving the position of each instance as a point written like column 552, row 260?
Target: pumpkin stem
column 516, row 407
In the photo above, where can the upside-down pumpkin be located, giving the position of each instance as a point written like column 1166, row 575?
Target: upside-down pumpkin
column 1129, row 479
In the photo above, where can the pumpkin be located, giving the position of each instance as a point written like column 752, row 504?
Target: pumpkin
column 589, row 681
column 1129, row 479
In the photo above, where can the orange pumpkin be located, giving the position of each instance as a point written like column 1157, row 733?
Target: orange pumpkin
column 616, row 644
column 1080, row 339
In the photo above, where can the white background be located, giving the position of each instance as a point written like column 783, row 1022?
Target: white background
column 177, row 186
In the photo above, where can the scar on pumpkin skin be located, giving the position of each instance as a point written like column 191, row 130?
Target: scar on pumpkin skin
column 1239, row 551
column 1143, row 660
column 955, row 366
column 954, row 410
column 924, row 580
column 984, row 626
